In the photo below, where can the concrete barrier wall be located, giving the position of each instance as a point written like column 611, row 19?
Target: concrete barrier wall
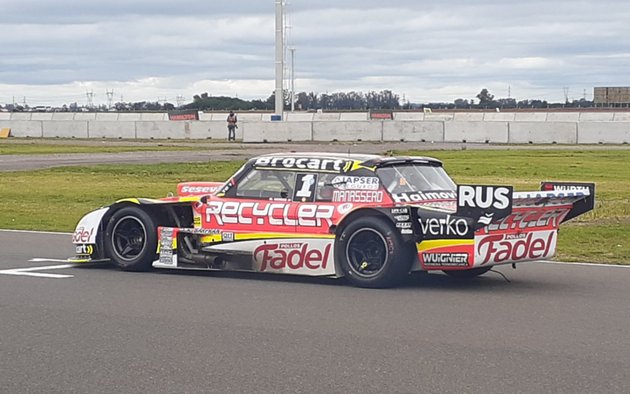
column 23, row 128
column 348, row 131
column 622, row 117
column 162, row 129
column 409, row 116
column 468, row 116
column 494, row 132
column 350, row 116
column 498, row 116
column 109, row 129
column 213, row 130
column 299, row 116
column 63, row 116
column 533, row 127
column 278, row 132
column 603, row 133
column 65, row 128
column 413, row 131
column 530, row 117
column 542, row 133
column 596, row 116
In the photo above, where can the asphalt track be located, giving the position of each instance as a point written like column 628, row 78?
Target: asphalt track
column 552, row 328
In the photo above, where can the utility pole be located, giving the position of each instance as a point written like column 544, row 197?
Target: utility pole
column 180, row 100
column 292, row 50
column 566, row 94
column 110, row 98
column 279, row 57
column 90, row 99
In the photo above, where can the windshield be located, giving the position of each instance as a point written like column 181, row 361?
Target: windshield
column 410, row 178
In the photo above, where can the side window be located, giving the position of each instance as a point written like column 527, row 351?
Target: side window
column 266, row 184
column 325, row 188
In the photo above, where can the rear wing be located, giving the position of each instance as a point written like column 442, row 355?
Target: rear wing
column 580, row 195
column 488, row 204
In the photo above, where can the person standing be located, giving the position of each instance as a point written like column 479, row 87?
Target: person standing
column 231, row 124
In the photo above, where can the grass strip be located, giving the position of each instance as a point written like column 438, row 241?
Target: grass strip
column 38, row 148
column 55, row 199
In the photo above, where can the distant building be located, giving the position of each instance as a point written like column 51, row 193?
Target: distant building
column 611, row 96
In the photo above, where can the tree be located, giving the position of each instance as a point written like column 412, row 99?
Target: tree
column 485, row 98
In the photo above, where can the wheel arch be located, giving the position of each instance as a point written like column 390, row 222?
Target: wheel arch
column 359, row 213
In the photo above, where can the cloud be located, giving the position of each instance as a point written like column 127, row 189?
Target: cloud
column 428, row 51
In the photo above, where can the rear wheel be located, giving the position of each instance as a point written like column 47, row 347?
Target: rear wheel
column 372, row 254
column 131, row 239
column 471, row 273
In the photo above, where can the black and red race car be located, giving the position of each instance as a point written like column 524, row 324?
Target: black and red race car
column 368, row 218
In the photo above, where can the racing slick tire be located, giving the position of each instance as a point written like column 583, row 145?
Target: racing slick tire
column 471, row 273
column 371, row 253
column 131, row 239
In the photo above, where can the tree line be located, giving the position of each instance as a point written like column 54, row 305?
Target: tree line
column 338, row 101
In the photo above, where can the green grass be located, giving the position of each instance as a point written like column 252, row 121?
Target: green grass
column 42, row 148
column 602, row 235
column 55, row 199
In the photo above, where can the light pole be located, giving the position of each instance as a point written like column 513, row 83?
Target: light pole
column 279, row 57
column 292, row 79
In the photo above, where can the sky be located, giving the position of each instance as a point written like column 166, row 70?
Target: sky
column 55, row 52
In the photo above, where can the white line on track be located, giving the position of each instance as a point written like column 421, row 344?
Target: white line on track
column 40, row 259
column 33, row 232
column 29, row 271
column 585, row 264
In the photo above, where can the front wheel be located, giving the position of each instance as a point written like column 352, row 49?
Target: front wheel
column 131, row 239
column 471, row 273
column 372, row 254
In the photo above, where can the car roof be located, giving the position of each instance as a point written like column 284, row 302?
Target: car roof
column 368, row 160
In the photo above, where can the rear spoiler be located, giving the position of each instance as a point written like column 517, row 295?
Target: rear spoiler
column 486, row 204
column 580, row 195
column 581, row 206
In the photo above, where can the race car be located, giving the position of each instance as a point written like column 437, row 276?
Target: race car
column 371, row 219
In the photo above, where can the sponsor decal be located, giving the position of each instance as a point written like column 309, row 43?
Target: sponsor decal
column 198, row 189
column 423, row 196
column 445, row 259
column 398, row 211
column 82, row 234
column 406, row 231
column 167, row 236
column 448, row 226
column 355, row 183
column 566, row 187
column 529, row 220
column 502, row 248
column 484, row 203
column 344, row 208
column 265, row 213
column 227, row 236
column 402, row 218
column 553, row 194
column 305, row 187
column 496, row 197
column 313, row 164
column 292, row 256
column 183, row 115
column 84, row 249
column 201, row 231
column 362, row 196
column 403, row 225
